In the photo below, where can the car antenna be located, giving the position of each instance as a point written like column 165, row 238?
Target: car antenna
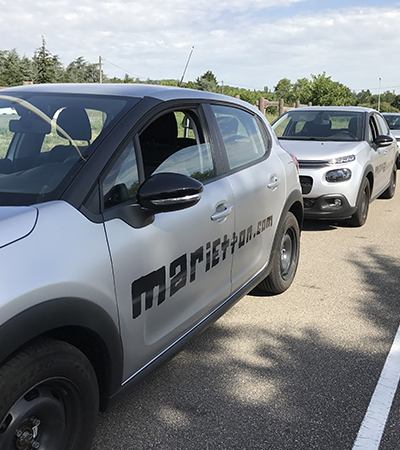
column 187, row 63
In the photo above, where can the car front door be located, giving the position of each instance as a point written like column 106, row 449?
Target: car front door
column 382, row 157
column 172, row 272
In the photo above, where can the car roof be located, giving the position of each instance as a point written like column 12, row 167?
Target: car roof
column 135, row 90
column 334, row 108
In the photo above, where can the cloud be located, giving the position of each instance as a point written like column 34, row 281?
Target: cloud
column 243, row 43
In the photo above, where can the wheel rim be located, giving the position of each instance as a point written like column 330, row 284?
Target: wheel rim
column 41, row 419
column 288, row 249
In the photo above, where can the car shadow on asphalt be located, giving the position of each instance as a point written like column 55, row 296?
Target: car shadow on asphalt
column 241, row 385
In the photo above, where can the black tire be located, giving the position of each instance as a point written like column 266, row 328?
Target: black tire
column 391, row 190
column 285, row 259
column 359, row 218
column 49, row 398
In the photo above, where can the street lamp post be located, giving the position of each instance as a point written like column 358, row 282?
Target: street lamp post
column 379, row 94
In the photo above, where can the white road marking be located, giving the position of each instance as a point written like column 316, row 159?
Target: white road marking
column 370, row 434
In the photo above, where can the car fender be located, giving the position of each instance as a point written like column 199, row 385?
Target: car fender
column 78, row 321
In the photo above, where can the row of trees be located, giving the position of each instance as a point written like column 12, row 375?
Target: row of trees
column 319, row 90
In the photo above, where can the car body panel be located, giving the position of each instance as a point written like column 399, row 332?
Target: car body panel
column 134, row 281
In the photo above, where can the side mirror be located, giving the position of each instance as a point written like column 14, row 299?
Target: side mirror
column 383, row 141
column 166, row 191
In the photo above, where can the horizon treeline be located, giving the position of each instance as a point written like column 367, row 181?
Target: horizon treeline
column 319, row 90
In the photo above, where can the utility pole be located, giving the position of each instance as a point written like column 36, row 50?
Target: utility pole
column 379, row 94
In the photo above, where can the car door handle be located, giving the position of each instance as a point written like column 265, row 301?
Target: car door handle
column 274, row 183
column 220, row 216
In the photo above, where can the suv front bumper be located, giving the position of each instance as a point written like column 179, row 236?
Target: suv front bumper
column 330, row 206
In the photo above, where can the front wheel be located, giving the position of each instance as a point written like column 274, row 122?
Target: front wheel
column 359, row 218
column 49, row 398
column 285, row 259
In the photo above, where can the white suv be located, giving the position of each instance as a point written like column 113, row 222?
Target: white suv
column 131, row 217
column 347, row 158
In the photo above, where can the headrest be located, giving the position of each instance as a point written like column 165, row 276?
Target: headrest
column 29, row 123
column 75, row 122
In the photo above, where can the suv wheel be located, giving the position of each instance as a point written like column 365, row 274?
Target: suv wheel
column 49, row 398
column 285, row 259
column 359, row 218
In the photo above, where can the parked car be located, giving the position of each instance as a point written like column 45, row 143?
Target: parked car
column 131, row 217
column 347, row 158
column 393, row 120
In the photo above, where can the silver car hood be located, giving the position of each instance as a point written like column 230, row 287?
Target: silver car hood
column 321, row 150
column 16, row 222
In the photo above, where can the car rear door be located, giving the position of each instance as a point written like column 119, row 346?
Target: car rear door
column 257, row 178
column 172, row 272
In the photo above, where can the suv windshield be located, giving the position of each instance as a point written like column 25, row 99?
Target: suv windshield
column 45, row 138
column 320, row 125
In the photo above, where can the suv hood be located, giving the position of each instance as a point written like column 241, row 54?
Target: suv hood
column 16, row 222
column 321, row 150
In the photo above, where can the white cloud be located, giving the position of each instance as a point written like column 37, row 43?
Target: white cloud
column 240, row 41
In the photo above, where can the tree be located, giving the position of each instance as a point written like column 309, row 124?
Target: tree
column 48, row 68
column 207, row 82
column 302, row 90
column 325, row 92
column 284, row 90
column 81, row 71
column 13, row 69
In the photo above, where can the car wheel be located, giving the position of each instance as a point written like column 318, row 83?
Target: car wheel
column 359, row 218
column 285, row 258
column 390, row 191
column 49, row 398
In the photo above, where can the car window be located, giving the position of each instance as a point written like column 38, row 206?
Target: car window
column 383, row 127
column 393, row 121
column 328, row 125
column 373, row 129
column 43, row 138
column 174, row 142
column 122, row 181
column 241, row 134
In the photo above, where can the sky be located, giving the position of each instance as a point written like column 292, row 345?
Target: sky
column 249, row 44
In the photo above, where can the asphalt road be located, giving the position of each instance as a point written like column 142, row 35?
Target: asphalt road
column 294, row 371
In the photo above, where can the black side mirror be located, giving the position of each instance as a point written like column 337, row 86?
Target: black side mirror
column 383, row 141
column 166, row 191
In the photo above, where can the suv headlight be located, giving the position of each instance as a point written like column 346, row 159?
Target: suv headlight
column 335, row 176
column 343, row 159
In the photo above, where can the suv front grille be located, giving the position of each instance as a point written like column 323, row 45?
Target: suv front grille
column 306, row 184
column 312, row 164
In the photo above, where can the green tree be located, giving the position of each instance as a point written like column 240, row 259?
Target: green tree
column 207, row 82
column 81, row 71
column 48, row 68
column 284, row 89
column 325, row 92
column 13, row 69
column 302, row 90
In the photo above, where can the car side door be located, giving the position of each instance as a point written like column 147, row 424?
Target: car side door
column 257, row 178
column 382, row 156
column 174, row 268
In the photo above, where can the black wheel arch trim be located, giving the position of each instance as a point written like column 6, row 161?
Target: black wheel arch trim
column 71, row 319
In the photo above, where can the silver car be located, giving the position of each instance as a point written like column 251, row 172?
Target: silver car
column 393, row 120
column 131, row 217
column 347, row 158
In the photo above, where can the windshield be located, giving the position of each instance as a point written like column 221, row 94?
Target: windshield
column 320, row 125
column 44, row 140
column 393, row 121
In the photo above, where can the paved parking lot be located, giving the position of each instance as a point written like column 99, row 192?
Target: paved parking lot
column 294, row 371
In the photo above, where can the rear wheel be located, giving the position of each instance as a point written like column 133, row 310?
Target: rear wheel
column 359, row 218
column 49, row 399
column 285, row 259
